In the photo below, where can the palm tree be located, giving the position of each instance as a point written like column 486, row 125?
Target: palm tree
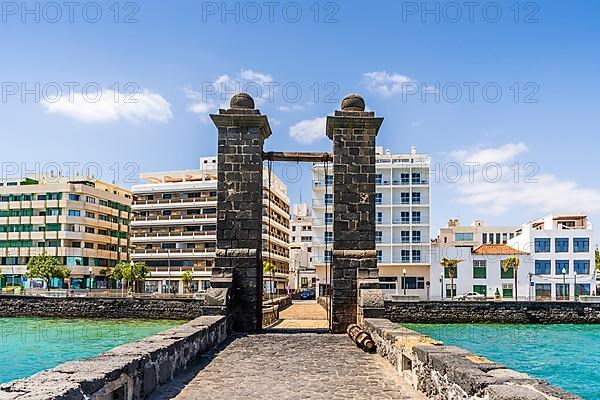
column 512, row 262
column 451, row 266
column 269, row 267
column 187, row 278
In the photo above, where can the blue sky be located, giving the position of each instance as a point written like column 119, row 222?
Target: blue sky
column 389, row 51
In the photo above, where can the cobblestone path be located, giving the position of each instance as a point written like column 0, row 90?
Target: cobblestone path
column 302, row 315
column 292, row 366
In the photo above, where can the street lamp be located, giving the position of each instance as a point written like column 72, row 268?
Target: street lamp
column 575, row 285
column 91, row 279
column 442, row 284
column 404, row 280
column 564, row 273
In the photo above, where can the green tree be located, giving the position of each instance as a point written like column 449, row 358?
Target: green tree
column 130, row 273
column 451, row 266
column 46, row 267
column 512, row 262
column 187, row 278
column 598, row 259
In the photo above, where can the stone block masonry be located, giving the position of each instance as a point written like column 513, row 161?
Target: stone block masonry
column 129, row 372
column 82, row 307
column 238, row 270
column 522, row 312
column 353, row 132
column 449, row 372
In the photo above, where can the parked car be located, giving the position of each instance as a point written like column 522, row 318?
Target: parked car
column 307, row 295
column 471, row 296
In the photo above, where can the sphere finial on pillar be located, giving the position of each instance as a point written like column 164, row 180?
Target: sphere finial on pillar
column 353, row 102
column 242, row 101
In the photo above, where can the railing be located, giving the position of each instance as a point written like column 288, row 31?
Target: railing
column 171, row 234
column 100, row 293
column 175, row 201
column 173, row 217
column 172, row 251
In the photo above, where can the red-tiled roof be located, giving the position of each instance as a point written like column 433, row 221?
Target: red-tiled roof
column 496, row 249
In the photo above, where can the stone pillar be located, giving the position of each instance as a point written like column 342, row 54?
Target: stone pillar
column 237, row 274
column 354, row 260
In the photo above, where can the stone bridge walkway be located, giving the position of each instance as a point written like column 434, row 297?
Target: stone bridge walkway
column 290, row 366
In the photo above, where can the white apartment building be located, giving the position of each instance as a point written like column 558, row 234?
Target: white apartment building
column 454, row 234
column 174, row 228
column 302, row 272
column 562, row 256
column 403, row 198
column 546, row 248
column 480, row 270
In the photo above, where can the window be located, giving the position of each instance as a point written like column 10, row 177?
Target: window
column 582, row 267
column 416, row 256
column 416, row 217
column 484, row 238
column 328, row 237
column 89, row 199
column 581, row 245
column 479, row 269
column 404, row 217
column 379, row 255
column 508, row 273
column 328, row 218
column 416, row 237
column 74, row 197
column 542, row 245
column 404, row 236
column 378, row 236
column 90, row 214
column 416, row 178
column 561, row 245
column 327, row 255
column 404, row 198
column 542, row 267
column 329, row 180
column 166, row 196
column 53, row 211
column 378, row 198
column 405, row 256
column 559, row 265
column 562, row 291
column 416, row 198
column 504, row 238
column 74, row 213
column 378, row 179
column 497, row 238
column 328, row 198
column 481, row 289
column 449, row 270
column 413, row 282
column 103, row 203
column 463, row 237
column 388, row 282
column 450, row 291
column 582, row 289
column 404, row 179
column 379, row 217
column 306, row 239
column 543, row 291
column 507, row 290
column 41, row 197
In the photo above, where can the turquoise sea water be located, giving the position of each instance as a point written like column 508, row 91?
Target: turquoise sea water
column 30, row 345
column 567, row 356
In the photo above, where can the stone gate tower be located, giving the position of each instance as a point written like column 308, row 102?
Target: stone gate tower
column 355, row 283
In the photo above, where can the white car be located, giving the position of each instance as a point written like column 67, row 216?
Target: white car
column 471, row 296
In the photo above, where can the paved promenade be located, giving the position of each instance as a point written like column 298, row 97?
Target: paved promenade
column 305, row 314
column 291, row 366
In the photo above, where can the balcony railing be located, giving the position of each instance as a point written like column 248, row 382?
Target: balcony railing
column 171, row 234
column 173, row 217
column 175, row 201
column 173, row 251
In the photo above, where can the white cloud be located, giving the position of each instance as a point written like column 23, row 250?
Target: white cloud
column 112, row 106
column 498, row 186
column 309, row 131
column 497, row 155
column 294, row 107
column 255, row 76
column 386, row 84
